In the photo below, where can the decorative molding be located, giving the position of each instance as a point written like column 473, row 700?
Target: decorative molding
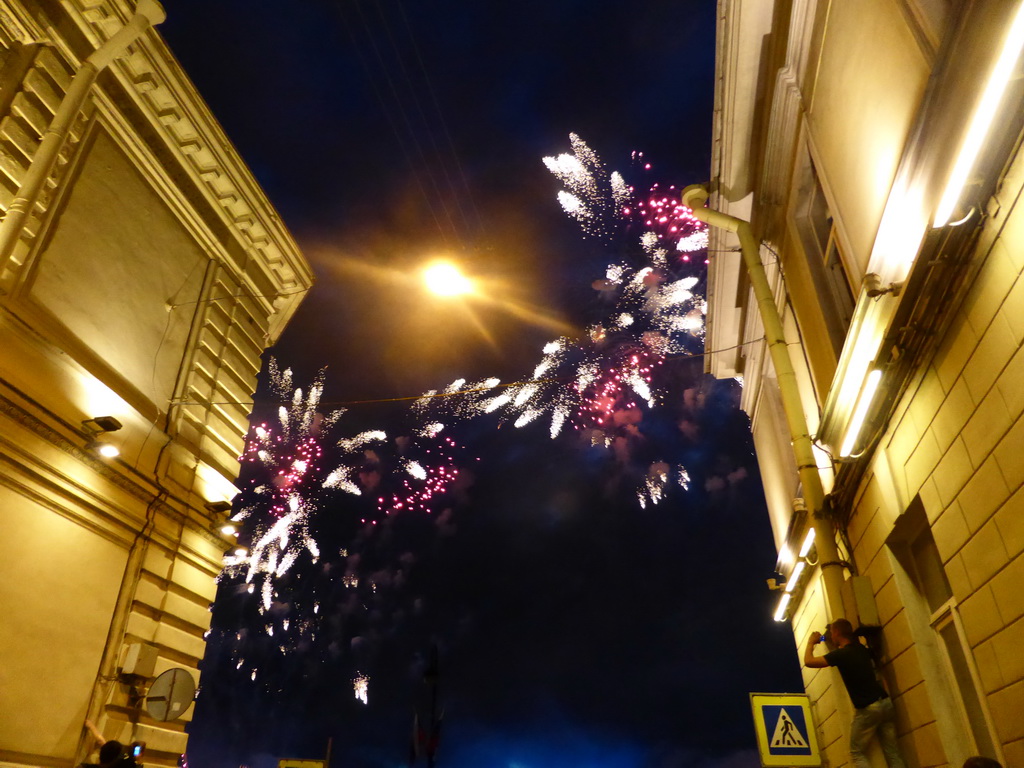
column 16, row 26
column 783, row 124
column 162, row 91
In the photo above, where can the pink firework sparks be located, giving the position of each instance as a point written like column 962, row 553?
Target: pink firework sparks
column 425, row 481
column 624, row 386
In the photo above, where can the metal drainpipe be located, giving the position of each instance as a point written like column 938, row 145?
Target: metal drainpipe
column 148, row 13
column 694, row 198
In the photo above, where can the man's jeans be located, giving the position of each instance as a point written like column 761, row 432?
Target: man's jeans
column 880, row 717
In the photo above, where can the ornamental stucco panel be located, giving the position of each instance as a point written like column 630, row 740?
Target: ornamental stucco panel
column 116, row 263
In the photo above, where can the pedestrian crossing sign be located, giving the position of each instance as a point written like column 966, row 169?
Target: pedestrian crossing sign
column 785, row 730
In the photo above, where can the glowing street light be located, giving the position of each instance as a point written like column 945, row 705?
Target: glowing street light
column 444, row 279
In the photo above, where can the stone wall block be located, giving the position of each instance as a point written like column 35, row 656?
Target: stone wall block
column 950, row 532
column 953, row 414
column 990, row 288
column 953, row 471
column 980, row 616
column 1009, row 383
column 984, row 554
column 180, row 641
column 1008, row 646
column 994, row 351
column 986, row 427
column 988, row 667
column 1010, row 455
column 926, row 744
column 1008, row 591
column 959, row 582
column 1010, row 522
column 194, row 580
column 984, row 493
column 954, row 351
column 921, row 463
column 1006, row 706
column 1013, row 752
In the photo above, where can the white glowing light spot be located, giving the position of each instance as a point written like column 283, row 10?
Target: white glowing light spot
column 570, row 203
column 525, row 394
column 526, row 417
column 697, row 241
column 558, row 419
column 361, row 686
column 445, row 279
column 496, row 402
column 352, row 443
column 416, row 469
column 683, row 478
column 340, row 479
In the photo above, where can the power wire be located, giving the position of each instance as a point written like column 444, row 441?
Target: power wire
column 432, row 395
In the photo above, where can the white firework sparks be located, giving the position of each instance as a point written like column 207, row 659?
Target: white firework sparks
column 350, row 444
column 290, row 452
column 592, row 196
column 696, row 241
column 361, row 687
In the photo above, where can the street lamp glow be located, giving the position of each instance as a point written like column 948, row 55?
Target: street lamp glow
column 444, row 279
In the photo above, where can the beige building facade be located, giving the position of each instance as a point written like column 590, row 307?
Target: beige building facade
column 874, row 148
column 142, row 274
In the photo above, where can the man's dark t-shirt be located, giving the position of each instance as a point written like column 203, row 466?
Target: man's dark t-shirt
column 858, row 672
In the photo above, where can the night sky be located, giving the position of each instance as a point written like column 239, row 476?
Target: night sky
column 573, row 627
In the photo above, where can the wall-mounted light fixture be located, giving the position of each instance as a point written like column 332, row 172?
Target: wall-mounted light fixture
column 95, row 428
column 860, row 412
column 794, row 577
column 780, row 612
column 222, row 510
column 805, row 548
column 982, row 119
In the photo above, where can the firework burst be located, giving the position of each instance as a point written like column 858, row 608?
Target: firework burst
column 603, row 383
column 287, row 493
column 601, row 387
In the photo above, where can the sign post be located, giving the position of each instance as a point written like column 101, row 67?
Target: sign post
column 786, row 737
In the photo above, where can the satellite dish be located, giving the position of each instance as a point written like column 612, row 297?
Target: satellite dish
column 171, row 694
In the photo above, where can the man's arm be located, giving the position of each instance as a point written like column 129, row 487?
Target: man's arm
column 810, row 660
column 100, row 741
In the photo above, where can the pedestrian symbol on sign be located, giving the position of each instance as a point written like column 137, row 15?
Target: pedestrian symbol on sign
column 785, row 730
column 786, row 733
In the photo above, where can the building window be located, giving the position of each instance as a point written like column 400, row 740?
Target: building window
column 940, row 641
column 818, row 234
